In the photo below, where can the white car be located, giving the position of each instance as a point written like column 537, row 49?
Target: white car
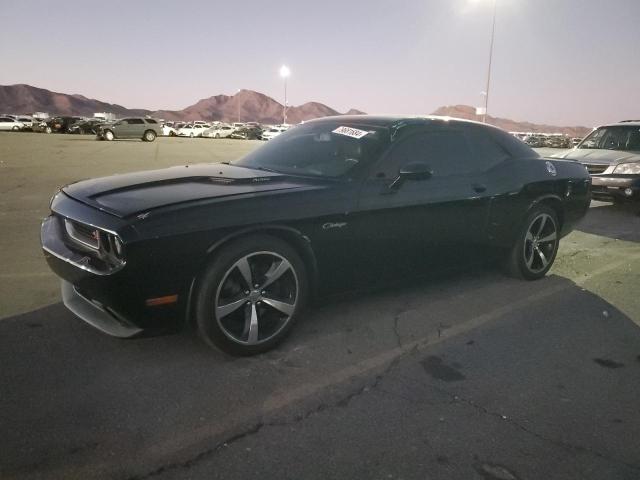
column 27, row 122
column 192, row 130
column 218, row 131
column 8, row 123
column 272, row 133
column 168, row 131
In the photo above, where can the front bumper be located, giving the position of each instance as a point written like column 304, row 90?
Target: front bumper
column 114, row 300
column 96, row 314
column 618, row 187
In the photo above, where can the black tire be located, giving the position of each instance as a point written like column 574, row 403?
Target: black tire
column 149, row 136
column 536, row 245
column 223, row 278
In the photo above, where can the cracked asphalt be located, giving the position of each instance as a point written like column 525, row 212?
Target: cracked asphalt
column 459, row 375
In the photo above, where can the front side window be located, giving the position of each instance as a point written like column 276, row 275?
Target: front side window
column 446, row 152
column 626, row 138
column 325, row 149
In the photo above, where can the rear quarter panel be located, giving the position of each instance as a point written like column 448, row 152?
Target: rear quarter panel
column 524, row 183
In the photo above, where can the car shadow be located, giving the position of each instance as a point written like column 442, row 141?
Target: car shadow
column 617, row 221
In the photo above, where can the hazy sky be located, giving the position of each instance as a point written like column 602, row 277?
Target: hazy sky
column 555, row 61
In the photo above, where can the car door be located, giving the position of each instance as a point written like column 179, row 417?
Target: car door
column 136, row 127
column 5, row 123
column 428, row 218
column 121, row 128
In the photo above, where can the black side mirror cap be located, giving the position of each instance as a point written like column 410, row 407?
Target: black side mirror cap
column 411, row 171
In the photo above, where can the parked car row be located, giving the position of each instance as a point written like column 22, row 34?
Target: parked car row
column 98, row 126
column 243, row 131
column 552, row 140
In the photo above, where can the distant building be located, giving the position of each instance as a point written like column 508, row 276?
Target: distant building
column 40, row 115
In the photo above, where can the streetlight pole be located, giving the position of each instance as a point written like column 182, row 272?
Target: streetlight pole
column 284, row 73
column 493, row 31
column 238, row 102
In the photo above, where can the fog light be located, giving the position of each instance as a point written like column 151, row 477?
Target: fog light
column 628, row 192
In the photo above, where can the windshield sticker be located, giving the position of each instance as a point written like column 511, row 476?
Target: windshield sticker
column 350, row 132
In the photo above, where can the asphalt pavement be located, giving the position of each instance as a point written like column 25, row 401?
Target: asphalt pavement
column 462, row 374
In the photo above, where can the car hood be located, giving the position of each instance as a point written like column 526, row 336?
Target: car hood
column 134, row 193
column 602, row 157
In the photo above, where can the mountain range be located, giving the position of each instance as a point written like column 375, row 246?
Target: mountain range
column 246, row 105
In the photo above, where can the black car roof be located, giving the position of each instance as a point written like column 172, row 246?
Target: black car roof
column 390, row 120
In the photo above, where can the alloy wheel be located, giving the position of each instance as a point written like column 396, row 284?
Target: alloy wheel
column 256, row 298
column 540, row 243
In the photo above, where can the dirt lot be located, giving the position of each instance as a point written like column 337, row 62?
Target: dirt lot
column 33, row 166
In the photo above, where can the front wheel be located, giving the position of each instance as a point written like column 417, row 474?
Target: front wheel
column 149, row 136
column 536, row 246
column 47, row 129
column 108, row 135
column 15, row 129
column 251, row 295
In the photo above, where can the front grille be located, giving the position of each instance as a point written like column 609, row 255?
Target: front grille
column 595, row 168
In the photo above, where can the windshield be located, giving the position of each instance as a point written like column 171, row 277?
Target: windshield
column 614, row 138
column 324, row 149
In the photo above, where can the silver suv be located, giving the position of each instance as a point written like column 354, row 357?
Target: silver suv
column 611, row 154
column 146, row 129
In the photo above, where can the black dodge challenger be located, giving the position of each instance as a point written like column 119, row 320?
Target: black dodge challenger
column 239, row 248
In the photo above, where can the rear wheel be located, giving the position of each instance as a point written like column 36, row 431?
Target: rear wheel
column 250, row 296
column 217, row 135
column 47, row 129
column 15, row 128
column 108, row 135
column 149, row 136
column 536, row 246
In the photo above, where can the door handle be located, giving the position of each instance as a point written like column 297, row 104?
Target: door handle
column 479, row 188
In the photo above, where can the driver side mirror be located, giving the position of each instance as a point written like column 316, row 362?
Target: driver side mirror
column 411, row 171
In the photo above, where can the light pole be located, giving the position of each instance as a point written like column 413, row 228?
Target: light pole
column 486, row 92
column 284, row 73
column 238, row 102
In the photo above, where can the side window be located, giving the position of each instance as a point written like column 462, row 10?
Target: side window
column 151, row 120
column 135, row 121
column 446, row 152
column 4, row 119
column 487, row 153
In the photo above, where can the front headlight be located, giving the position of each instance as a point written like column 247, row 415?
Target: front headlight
column 628, row 168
